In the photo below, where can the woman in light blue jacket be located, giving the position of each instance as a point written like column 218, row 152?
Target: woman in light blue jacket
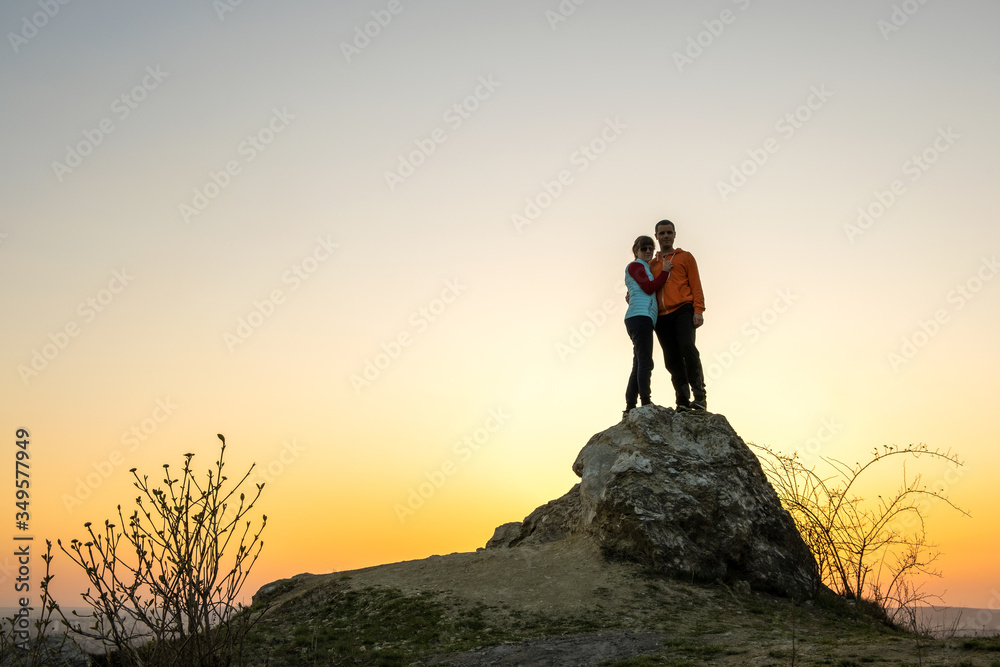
column 640, row 318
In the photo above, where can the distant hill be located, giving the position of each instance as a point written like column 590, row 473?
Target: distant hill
column 959, row 621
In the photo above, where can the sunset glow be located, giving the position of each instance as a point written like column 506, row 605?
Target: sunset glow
column 379, row 246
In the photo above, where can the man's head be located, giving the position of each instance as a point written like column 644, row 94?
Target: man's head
column 665, row 234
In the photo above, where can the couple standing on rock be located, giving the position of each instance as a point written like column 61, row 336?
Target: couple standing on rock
column 664, row 296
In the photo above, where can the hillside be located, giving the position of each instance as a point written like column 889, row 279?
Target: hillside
column 673, row 549
column 562, row 604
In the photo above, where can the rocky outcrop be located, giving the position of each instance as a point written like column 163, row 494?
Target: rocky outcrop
column 682, row 494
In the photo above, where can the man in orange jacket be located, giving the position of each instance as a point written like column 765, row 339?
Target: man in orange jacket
column 681, row 305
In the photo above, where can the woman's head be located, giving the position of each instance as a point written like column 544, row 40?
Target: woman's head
column 643, row 248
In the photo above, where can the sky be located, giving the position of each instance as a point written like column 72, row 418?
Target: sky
column 380, row 247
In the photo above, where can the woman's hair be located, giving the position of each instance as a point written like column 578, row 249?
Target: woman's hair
column 641, row 241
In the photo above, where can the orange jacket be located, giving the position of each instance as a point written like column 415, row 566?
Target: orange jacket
column 683, row 285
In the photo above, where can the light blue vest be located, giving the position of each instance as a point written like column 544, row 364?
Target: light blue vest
column 640, row 303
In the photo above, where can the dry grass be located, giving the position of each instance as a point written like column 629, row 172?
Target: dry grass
column 562, row 601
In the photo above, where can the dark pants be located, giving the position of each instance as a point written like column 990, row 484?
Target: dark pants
column 675, row 331
column 640, row 330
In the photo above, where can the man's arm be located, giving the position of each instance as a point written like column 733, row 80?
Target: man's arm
column 694, row 281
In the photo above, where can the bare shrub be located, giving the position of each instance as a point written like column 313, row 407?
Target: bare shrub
column 865, row 550
column 165, row 581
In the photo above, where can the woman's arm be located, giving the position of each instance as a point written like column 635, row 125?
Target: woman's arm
column 638, row 272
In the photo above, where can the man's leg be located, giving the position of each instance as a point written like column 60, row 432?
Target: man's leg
column 667, row 335
column 688, row 352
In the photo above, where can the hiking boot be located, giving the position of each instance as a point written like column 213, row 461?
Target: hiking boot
column 699, row 406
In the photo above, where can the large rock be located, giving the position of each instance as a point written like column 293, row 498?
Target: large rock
column 682, row 494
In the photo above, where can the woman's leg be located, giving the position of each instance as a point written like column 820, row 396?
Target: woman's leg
column 640, row 330
column 632, row 389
